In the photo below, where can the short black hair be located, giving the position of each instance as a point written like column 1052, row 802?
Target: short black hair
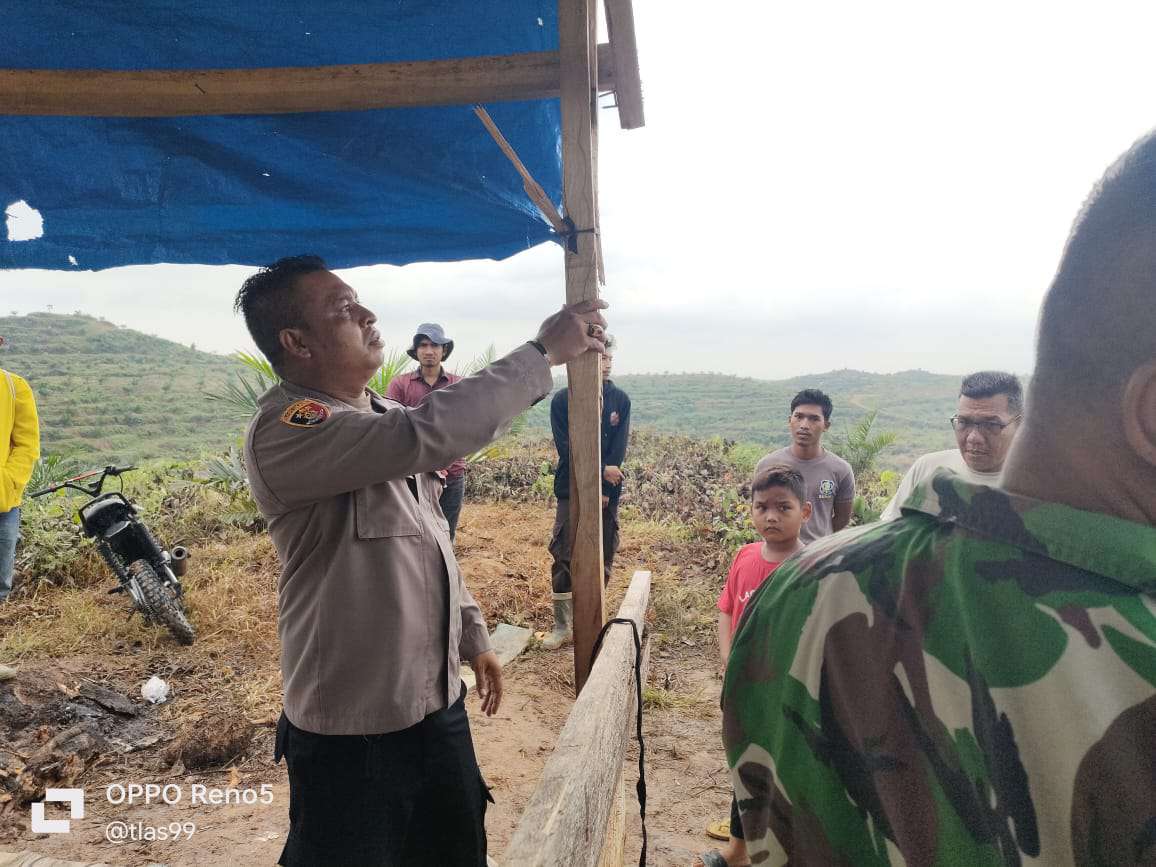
column 780, row 476
column 989, row 383
column 1095, row 324
column 813, row 395
column 268, row 304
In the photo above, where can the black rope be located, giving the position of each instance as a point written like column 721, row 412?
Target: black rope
column 571, row 238
column 640, row 788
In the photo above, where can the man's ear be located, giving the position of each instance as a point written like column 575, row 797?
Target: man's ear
column 1139, row 410
column 807, row 509
column 293, row 342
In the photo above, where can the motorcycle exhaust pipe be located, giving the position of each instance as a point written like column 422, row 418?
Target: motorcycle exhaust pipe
column 179, row 560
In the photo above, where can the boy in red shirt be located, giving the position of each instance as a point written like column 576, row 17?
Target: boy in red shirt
column 779, row 508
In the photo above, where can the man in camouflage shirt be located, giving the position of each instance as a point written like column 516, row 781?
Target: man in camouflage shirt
column 975, row 683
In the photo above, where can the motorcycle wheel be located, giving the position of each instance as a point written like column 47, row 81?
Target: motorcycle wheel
column 163, row 605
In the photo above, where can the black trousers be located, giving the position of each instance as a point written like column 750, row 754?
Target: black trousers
column 405, row 798
column 560, row 544
column 451, row 503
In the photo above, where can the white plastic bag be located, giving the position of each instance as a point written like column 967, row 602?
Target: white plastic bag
column 154, row 690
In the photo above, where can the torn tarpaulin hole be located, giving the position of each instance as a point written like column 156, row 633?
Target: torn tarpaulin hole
column 23, row 221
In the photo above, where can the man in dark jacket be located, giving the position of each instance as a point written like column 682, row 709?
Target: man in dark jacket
column 615, row 434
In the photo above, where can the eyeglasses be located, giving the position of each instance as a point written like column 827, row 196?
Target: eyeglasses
column 986, row 428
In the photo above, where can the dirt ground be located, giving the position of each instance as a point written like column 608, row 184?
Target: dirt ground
column 502, row 551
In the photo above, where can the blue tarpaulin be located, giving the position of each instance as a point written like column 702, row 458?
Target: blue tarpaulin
column 358, row 188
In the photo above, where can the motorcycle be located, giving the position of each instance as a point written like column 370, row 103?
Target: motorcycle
column 148, row 572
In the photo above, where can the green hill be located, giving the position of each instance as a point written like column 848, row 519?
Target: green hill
column 914, row 404
column 108, row 393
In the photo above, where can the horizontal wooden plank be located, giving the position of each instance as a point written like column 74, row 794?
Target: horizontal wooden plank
column 284, row 90
column 565, row 821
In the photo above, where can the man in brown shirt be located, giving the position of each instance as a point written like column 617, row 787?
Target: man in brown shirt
column 373, row 615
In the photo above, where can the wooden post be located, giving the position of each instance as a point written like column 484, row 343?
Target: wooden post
column 578, row 59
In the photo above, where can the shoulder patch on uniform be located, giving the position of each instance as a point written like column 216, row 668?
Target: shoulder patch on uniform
column 305, row 413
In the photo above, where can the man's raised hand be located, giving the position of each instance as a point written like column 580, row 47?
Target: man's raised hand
column 573, row 330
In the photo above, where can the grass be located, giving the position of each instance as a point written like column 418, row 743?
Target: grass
column 657, row 698
column 231, row 597
column 230, row 592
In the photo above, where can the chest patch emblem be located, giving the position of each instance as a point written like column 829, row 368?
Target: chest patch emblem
column 305, row 413
column 614, row 419
column 827, row 489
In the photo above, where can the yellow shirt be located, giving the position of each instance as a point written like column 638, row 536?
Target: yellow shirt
column 19, row 438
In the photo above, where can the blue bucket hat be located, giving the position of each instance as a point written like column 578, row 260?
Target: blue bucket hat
column 434, row 333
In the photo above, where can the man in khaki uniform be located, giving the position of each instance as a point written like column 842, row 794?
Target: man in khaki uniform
column 374, row 618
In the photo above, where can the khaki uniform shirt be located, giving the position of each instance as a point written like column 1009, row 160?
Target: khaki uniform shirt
column 373, row 614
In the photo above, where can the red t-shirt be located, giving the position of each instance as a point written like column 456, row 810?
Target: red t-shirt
column 748, row 571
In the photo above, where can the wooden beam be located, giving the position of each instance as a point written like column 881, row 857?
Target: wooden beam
column 614, row 843
column 624, row 51
column 579, row 104
column 283, row 90
column 565, row 821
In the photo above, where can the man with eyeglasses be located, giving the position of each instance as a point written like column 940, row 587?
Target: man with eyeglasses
column 991, row 404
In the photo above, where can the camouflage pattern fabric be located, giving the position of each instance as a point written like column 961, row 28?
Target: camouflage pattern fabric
column 974, row 683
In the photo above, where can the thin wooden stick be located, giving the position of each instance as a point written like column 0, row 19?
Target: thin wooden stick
column 532, row 187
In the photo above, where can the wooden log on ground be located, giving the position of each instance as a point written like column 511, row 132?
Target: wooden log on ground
column 60, row 762
column 566, row 820
column 614, row 844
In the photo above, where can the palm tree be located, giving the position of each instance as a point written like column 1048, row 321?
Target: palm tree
column 517, row 426
column 859, row 448
column 396, row 363
column 242, row 393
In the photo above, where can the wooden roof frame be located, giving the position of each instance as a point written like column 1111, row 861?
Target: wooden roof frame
column 577, row 73
column 348, row 87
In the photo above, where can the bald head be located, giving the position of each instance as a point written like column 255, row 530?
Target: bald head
column 1096, row 325
column 1090, row 432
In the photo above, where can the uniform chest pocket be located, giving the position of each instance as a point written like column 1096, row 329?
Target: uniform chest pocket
column 386, row 510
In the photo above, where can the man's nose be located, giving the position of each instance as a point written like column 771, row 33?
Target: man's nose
column 367, row 315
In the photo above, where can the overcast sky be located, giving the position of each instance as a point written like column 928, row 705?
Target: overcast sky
column 879, row 186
